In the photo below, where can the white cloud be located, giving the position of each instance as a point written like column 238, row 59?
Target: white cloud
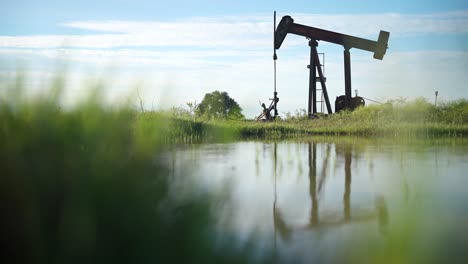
column 139, row 57
column 252, row 32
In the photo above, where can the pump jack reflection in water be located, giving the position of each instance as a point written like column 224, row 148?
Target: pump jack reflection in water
column 380, row 212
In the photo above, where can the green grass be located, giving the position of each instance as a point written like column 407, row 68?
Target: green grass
column 411, row 119
column 394, row 119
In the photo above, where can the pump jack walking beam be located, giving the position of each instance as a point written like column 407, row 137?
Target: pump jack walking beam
column 378, row 47
column 287, row 25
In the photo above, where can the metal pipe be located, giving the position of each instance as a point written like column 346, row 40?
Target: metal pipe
column 312, row 78
column 275, row 94
column 347, row 76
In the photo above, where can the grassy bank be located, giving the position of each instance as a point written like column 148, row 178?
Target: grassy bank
column 409, row 119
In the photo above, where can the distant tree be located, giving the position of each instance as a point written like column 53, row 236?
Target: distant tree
column 219, row 105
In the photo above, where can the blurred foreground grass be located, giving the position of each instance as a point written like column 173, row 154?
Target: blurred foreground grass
column 83, row 185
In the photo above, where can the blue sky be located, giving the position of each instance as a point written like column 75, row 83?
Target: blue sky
column 30, row 17
column 175, row 51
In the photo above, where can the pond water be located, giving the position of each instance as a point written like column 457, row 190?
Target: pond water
column 327, row 199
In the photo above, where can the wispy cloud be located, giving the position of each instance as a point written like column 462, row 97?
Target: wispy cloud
column 233, row 32
column 397, row 24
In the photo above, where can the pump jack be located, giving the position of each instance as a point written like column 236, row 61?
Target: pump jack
column 378, row 47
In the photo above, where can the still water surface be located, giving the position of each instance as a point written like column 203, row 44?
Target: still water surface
column 319, row 199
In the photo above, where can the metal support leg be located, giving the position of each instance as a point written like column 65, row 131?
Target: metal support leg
column 312, row 109
column 347, row 75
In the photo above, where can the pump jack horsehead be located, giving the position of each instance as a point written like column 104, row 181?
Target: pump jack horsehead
column 348, row 42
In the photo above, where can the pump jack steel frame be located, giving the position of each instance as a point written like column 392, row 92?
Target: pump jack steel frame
column 378, row 47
